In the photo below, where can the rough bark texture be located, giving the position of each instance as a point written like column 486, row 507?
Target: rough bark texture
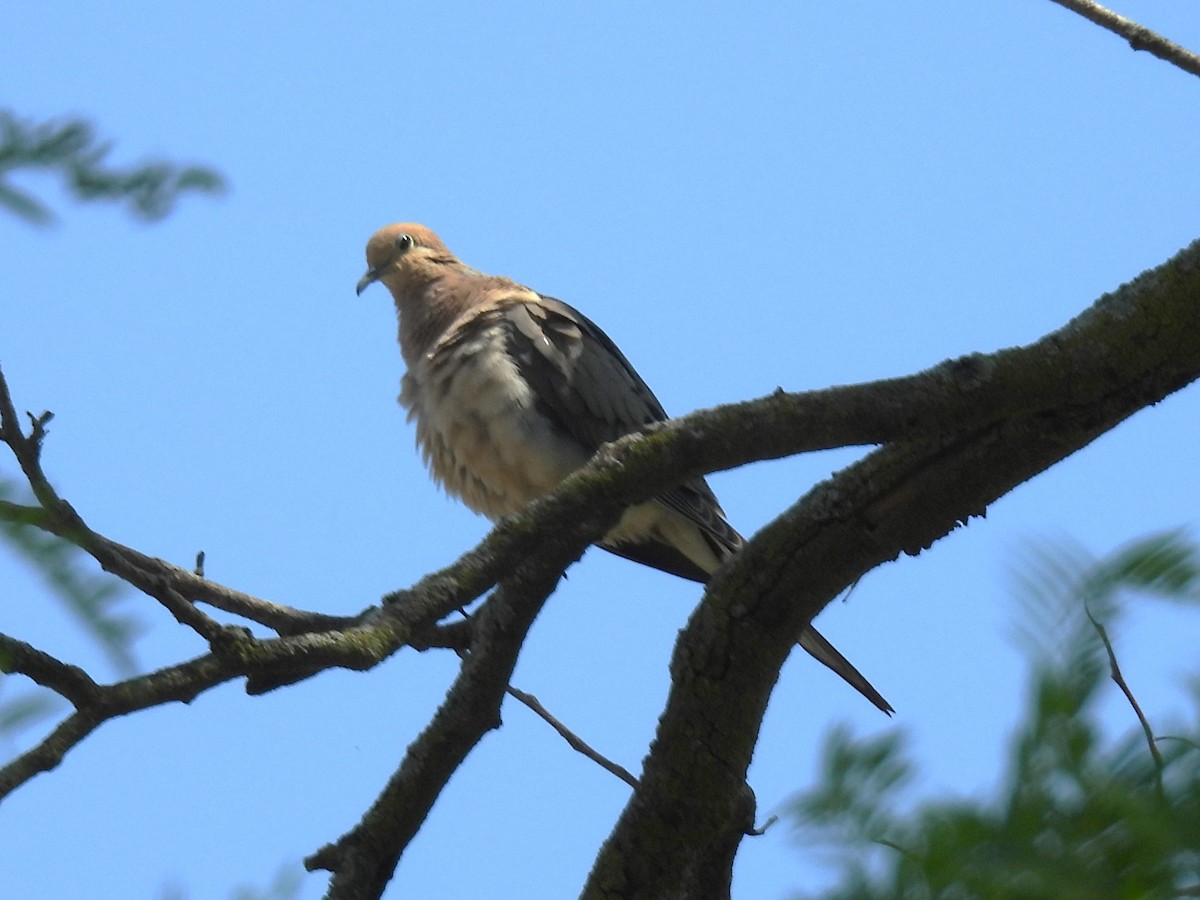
column 676, row 837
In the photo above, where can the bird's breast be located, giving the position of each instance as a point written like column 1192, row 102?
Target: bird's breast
column 479, row 427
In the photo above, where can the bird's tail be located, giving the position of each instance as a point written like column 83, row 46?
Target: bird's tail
column 823, row 651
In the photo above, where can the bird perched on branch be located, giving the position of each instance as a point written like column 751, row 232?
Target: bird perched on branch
column 512, row 391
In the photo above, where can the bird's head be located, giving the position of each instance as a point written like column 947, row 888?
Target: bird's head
column 397, row 252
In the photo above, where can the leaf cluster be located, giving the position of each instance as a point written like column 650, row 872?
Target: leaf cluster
column 70, row 149
column 1076, row 816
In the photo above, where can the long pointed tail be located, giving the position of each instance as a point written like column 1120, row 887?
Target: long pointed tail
column 826, row 653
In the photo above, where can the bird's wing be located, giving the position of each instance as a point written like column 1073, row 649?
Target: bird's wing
column 584, row 384
column 588, row 389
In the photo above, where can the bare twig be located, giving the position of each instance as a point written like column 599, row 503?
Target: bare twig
column 175, row 588
column 27, row 450
column 1115, row 672
column 571, row 738
column 188, row 613
column 96, row 704
column 1139, row 36
column 266, row 664
column 576, row 742
column 760, row 830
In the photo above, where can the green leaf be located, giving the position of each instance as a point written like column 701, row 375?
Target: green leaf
column 25, row 207
column 1076, row 816
column 70, row 149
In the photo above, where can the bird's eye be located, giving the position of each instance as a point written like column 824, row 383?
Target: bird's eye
column 404, row 242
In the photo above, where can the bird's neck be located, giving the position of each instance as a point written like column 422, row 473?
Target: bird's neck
column 428, row 302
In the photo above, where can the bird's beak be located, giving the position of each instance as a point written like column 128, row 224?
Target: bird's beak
column 367, row 280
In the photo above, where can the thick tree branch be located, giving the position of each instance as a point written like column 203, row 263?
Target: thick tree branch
column 678, row 834
column 364, row 860
column 1139, row 36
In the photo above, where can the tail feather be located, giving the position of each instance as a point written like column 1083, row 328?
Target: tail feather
column 823, row 651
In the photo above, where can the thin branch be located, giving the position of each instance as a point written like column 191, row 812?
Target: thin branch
column 1114, row 670
column 181, row 683
column 434, row 597
column 571, row 738
column 1139, row 36
column 26, row 450
column 284, row 620
column 71, row 682
column 266, row 664
column 187, row 613
column 49, row 753
column 576, row 743
column 175, row 588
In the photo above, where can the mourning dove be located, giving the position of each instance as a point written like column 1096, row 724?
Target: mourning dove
column 512, row 391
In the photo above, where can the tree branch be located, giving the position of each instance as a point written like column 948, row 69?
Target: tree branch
column 678, row 834
column 1139, row 36
column 959, row 436
column 576, row 743
column 96, row 704
column 41, row 668
column 1114, row 671
column 363, row 860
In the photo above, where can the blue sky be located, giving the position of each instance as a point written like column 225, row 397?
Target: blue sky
column 745, row 196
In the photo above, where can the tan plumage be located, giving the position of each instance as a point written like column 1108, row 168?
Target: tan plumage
column 511, row 391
